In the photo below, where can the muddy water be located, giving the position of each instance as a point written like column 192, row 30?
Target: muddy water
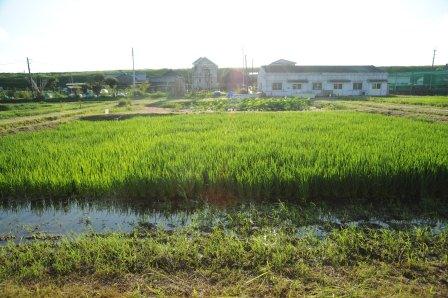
column 27, row 222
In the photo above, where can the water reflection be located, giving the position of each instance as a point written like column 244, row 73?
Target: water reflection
column 36, row 220
column 23, row 221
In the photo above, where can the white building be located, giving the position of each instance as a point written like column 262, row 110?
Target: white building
column 205, row 74
column 285, row 78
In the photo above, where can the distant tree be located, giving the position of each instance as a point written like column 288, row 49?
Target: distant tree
column 111, row 82
column 97, row 85
column 96, row 88
column 98, row 78
column 52, row 83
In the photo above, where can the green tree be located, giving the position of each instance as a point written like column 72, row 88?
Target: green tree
column 52, row 83
column 98, row 78
column 111, row 82
column 97, row 85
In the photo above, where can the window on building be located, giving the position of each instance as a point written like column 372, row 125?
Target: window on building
column 296, row 86
column 337, row 86
column 376, row 85
column 357, row 86
column 277, row 86
column 317, row 86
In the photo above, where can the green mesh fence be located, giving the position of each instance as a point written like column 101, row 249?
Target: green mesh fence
column 419, row 82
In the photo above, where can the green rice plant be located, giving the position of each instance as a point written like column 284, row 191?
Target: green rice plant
column 325, row 155
column 249, row 104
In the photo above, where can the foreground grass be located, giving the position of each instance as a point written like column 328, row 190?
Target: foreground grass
column 270, row 261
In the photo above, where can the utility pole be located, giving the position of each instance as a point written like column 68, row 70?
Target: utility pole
column 252, row 65
column 433, row 57
column 133, row 70
column 243, row 69
column 29, row 75
column 245, row 72
column 252, row 71
column 432, row 67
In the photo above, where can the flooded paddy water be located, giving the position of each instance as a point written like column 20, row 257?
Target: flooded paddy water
column 27, row 222
column 40, row 221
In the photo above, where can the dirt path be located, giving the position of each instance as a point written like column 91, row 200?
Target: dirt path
column 157, row 110
column 428, row 113
column 47, row 120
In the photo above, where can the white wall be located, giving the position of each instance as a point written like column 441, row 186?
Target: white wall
column 265, row 81
column 203, row 81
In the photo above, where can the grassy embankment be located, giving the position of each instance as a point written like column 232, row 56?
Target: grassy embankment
column 268, row 262
column 256, row 250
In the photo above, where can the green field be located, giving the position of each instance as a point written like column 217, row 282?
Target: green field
column 290, row 155
column 436, row 101
column 343, row 166
column 34, row 109
column 16, row 117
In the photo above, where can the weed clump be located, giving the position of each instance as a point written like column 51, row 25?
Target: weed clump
column 125, row 102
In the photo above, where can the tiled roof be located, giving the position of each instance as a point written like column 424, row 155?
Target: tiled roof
column 320, row 69
column 203, row 59
column 282, row 62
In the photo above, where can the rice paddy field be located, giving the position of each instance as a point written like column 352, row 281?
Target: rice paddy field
column 309, row 155
column 287, row 198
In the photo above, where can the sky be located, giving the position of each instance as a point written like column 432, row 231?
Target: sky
column 70, row 35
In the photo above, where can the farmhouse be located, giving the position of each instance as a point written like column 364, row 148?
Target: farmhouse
column 205, row 74
column 285, row 78
column 166, row 81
